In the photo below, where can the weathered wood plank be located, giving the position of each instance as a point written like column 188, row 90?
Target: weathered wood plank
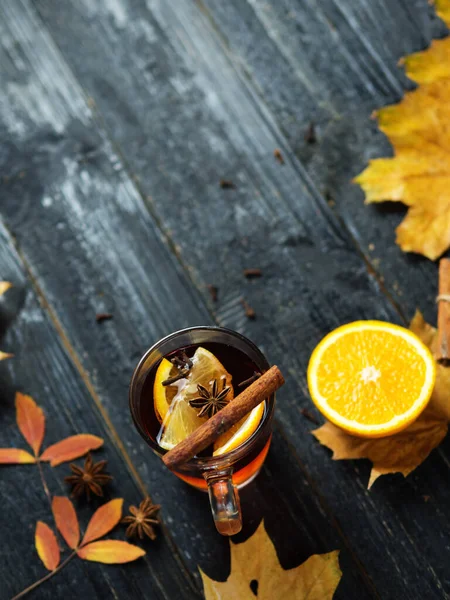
column 350, row 51
column 42, row 368
column 205, row 125
column 90, row 245
column 176, row 82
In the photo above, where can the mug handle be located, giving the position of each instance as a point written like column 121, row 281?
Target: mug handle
column 224, row 501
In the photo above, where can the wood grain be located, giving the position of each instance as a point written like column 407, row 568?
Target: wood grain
column 89, row 245
column 42, row 368
column 350, row 51
column 209, row 119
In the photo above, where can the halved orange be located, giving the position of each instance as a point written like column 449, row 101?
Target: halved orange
column 371, row 378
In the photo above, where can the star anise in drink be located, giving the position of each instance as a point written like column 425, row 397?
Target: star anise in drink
column 142, row 520
column 211, row 401
column 88, row 479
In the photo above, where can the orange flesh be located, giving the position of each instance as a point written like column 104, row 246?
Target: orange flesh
column 370, row 378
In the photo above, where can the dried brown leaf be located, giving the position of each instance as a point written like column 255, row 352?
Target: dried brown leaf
column 47, row 546
column 256, row 560
column 30, row 420
column 406, row 450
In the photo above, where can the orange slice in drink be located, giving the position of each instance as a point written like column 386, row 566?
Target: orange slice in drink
column 178, row 417
column 163, row 395
column 240, row 432
column 371, row 378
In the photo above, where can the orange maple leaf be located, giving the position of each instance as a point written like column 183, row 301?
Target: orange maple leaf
column 31, row 423
column 419, row 173
column 406, row 450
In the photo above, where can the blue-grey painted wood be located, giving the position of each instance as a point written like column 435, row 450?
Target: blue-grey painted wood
column 332, row 64
column 89, row 245
column 43, row 368
column 182, row 115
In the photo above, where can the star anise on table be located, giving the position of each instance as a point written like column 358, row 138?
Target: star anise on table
column 210, row 402
column 142, row 520
column 88, row 479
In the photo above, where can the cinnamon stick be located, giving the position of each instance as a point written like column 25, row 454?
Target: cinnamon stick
column 443, row 300
column 222, row 421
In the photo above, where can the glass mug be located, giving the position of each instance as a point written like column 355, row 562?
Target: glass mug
column 220, row 476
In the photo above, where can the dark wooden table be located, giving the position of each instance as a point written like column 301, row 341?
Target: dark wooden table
column 118, row 120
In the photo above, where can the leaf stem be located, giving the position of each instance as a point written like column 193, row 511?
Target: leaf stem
column 43, row 579
column 44, row 483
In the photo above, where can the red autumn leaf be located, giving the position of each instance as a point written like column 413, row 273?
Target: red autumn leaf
column 66, row 520
column 71, row 448
column 30, row 420
column 103, row 520
column 110, row 552
column 47, row 546
column 15, row 456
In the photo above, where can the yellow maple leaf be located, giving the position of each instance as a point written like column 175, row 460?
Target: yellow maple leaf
column 256, row 560
column 419, row 130
column 406, row 450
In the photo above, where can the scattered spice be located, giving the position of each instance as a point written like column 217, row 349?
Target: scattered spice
column 308, row 415
column 330, row 200
column 310, row 134
column 99, row 317
column 142, row 520
column 249, row 311
column 211, row 401
column 251, row 273
column 181, row 360
column 183, row 363
column 278, row 156
column 256, row 375
column 226, row 184
column 88, row 479
column 214, row 291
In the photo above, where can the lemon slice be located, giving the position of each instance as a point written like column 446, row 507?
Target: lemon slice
column 371, row 378
column 240, row 432
column 179, row 418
